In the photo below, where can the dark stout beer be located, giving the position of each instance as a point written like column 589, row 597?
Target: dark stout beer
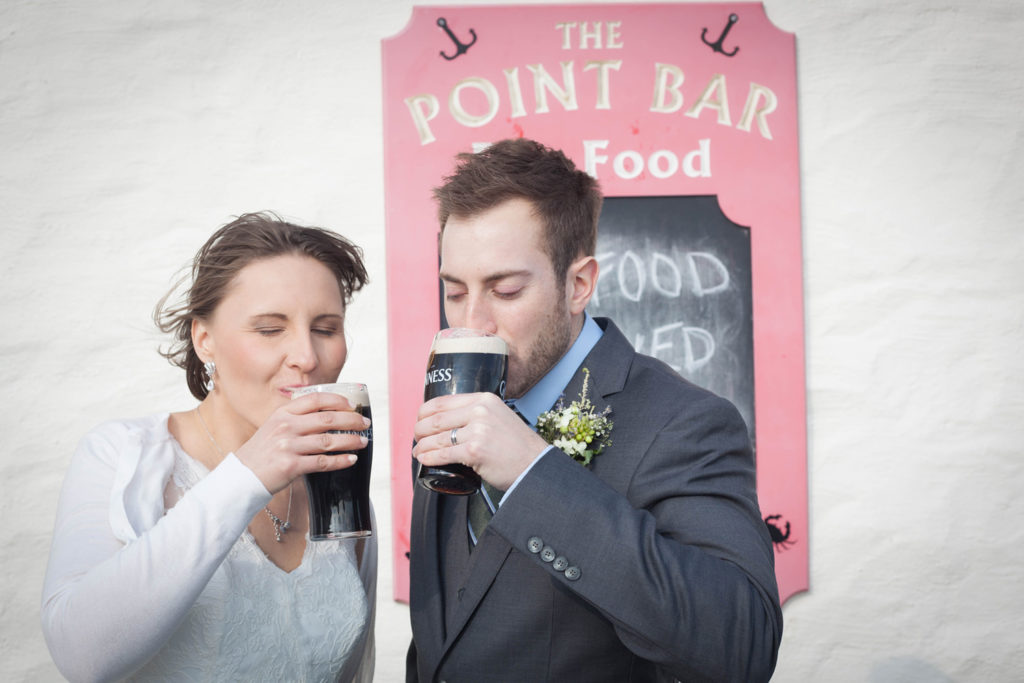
column 339, row 501
column 462, row 362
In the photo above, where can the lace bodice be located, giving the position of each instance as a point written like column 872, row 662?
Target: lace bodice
column 256, row 622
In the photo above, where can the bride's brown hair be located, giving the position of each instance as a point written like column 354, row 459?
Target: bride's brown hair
column 248, row 238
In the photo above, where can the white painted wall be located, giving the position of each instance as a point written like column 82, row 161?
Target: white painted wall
column 130, row 130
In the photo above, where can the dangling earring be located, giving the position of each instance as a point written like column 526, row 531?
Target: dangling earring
column 210, row 368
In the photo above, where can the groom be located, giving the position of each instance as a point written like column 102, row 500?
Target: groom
column 652, row 563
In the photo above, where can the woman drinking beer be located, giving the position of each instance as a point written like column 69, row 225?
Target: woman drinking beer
column 180, row 549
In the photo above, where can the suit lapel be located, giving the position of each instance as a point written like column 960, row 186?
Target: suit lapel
column 472, row 573
column 609, row 362
column 480, row 571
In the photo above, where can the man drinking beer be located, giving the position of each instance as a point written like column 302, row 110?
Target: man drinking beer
column 649, row 563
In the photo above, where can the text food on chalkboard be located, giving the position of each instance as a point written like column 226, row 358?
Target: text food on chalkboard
column 675, row 277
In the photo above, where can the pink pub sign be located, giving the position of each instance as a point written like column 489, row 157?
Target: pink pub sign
column 687, row 115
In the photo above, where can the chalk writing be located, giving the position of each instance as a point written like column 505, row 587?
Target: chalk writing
column 703, row 274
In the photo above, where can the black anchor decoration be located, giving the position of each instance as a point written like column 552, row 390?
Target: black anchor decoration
column 717, row 45
column 460, row 47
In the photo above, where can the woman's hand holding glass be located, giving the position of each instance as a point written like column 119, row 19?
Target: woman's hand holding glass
column 295, row 440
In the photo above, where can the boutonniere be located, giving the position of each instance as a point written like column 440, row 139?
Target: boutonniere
column 577, row 429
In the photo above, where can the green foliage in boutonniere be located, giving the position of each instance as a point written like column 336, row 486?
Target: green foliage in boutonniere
column 577, row 430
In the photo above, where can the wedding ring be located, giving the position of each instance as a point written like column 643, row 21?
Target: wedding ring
column 453, row 438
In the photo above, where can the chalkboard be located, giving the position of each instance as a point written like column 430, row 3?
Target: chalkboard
column 675, row 277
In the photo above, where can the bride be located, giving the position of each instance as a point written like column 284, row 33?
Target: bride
column 180, row 550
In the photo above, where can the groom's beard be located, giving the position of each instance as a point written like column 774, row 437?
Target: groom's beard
column 528, row 366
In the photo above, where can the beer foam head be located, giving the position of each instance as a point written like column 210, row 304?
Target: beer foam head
column 462, row 340
column 356, row 393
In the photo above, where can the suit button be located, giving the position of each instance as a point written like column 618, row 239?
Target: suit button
column 462, row 591
column 572, row 573
column 547, row 554
column 560, row 564
column 534, row 545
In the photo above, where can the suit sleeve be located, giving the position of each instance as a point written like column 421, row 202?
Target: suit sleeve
column 678, row 558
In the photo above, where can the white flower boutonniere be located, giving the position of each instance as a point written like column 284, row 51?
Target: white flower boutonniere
column 577, row 430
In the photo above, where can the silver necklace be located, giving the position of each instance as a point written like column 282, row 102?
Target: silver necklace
column 279, row 526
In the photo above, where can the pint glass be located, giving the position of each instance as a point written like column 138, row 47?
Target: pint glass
column 462, row 361
column 339, row 501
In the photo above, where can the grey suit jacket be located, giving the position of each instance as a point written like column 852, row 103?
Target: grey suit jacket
column 651, row 564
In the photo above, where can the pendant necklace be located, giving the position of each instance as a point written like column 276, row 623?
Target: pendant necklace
column 280, row 526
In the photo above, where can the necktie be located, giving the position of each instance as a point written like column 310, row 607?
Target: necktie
column 484, row 503
column 482, row 506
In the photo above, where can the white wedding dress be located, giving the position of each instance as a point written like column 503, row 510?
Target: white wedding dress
column 188, row 595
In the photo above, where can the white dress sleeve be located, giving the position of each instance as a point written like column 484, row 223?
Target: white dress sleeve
column 122, row 575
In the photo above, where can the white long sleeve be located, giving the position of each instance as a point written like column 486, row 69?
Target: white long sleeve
column 116, row 588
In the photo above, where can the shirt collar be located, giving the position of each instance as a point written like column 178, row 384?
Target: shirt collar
column 549, row 389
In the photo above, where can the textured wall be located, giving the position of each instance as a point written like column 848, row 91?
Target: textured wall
column 129, row 131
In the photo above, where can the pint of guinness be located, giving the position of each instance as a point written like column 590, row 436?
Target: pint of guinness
column 462, row 361
column 339, row 501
